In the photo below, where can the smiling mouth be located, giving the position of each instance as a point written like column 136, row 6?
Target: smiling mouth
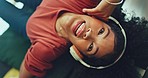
column 79, row 28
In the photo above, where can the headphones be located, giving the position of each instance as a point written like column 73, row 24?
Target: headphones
column 79, row 57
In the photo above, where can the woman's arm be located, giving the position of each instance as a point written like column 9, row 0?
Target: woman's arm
column 24, row 73
column 103, row 9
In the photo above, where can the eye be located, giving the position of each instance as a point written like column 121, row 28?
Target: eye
column 101, row 31
column 90, row 47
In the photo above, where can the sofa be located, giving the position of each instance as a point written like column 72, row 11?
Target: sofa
column 14, row 42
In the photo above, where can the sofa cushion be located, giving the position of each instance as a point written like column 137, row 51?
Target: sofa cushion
column 13, row 48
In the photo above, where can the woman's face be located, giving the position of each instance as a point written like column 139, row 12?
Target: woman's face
column 91, row 36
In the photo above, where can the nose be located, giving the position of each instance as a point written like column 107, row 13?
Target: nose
column 87, row 33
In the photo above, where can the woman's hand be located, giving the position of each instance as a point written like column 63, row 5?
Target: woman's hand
column 103, row 9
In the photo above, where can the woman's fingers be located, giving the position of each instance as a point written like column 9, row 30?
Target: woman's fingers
column 92, row 11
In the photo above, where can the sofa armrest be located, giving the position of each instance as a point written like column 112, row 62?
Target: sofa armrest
column 17, row 18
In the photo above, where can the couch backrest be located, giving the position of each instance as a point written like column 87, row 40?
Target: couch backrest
column 30, row 3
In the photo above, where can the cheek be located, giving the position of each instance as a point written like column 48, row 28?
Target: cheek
column 67, row 34
column 80, row 44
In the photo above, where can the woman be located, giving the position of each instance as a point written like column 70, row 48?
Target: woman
column 56, row 24
column 134, row 55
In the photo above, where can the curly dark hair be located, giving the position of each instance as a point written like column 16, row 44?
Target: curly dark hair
column 137, row 36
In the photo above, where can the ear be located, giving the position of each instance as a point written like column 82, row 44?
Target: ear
column 75, row 53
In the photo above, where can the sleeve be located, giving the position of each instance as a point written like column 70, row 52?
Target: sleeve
column 38, row 59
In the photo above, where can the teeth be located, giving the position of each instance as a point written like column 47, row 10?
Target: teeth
column 80, row 29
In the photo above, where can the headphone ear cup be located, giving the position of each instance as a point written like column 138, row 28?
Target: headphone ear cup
column 75, row 53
